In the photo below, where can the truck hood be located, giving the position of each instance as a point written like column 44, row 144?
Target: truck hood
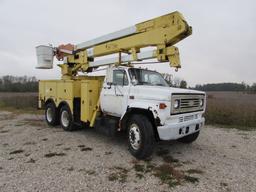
column 158, row 92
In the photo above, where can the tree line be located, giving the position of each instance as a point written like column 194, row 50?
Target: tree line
column 181, row 83
column 226, row 87
column 10, row 83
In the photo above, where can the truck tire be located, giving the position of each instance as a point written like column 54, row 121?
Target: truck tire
column 66, row 118
column 140, row 136
column 51, row 115
column 189, row 138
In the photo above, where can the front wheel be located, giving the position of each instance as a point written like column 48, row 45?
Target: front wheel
column 66, row 118
column 140, row 137
column 189, row 138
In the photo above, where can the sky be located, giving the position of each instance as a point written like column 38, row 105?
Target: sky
column 222, row 47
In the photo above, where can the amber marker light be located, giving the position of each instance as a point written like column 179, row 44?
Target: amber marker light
column 162, row 106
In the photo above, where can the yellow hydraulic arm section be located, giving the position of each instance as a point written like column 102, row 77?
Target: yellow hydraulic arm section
column 162, row 33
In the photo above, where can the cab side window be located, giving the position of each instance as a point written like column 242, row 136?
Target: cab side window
column 120, row 77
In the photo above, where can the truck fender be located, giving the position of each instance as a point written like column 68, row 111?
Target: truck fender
column 146, row 106
column 141, row 107
column 155, row 120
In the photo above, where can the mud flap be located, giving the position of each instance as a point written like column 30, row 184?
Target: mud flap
column 106, row 126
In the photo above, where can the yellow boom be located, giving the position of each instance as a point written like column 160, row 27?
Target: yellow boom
column 162, row 33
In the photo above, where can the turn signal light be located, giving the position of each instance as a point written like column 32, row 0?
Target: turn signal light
column 162, row 106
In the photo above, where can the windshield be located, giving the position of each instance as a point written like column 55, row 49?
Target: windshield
column 146, row 77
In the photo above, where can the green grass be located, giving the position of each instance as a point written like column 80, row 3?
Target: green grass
column 191, row 179
column 167, row 173
column 195, row 171
column 119, row 174
column 170, row 159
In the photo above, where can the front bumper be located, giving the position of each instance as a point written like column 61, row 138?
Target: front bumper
column 175, row 131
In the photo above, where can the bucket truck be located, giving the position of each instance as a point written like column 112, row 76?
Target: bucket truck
column 131, row 99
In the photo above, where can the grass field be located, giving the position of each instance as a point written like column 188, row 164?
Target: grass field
column 19, row 101
column 229, row 109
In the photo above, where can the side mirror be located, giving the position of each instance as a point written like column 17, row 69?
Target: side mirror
column 109, row 85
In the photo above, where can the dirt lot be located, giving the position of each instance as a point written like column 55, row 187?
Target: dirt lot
column 34, row 157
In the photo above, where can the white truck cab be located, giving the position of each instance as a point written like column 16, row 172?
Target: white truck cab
column 174, row 113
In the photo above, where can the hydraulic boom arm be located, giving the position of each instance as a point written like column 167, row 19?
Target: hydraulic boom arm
column 162, row 33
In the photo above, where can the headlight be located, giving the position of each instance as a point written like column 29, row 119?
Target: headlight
column 176, row 104
column 201, row 102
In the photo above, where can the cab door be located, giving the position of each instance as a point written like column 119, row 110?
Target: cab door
column 114, row 95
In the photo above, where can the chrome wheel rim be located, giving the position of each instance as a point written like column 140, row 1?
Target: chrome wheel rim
column 65, row 118
column 135, row 136
column 49, row 114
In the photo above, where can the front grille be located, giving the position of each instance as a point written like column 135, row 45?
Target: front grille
column 187, row 103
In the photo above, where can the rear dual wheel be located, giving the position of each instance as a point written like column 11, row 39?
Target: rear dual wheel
column 66, row 119
column 51, row 114
column 63, row 117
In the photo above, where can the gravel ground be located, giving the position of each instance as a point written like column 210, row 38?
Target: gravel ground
column 34, row 157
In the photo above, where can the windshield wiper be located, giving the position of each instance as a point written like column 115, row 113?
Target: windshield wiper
column 159, row 84
column 143, row 83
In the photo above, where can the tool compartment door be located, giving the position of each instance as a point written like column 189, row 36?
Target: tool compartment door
column 65, row 90
column 89, row 98
column 50, row 89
